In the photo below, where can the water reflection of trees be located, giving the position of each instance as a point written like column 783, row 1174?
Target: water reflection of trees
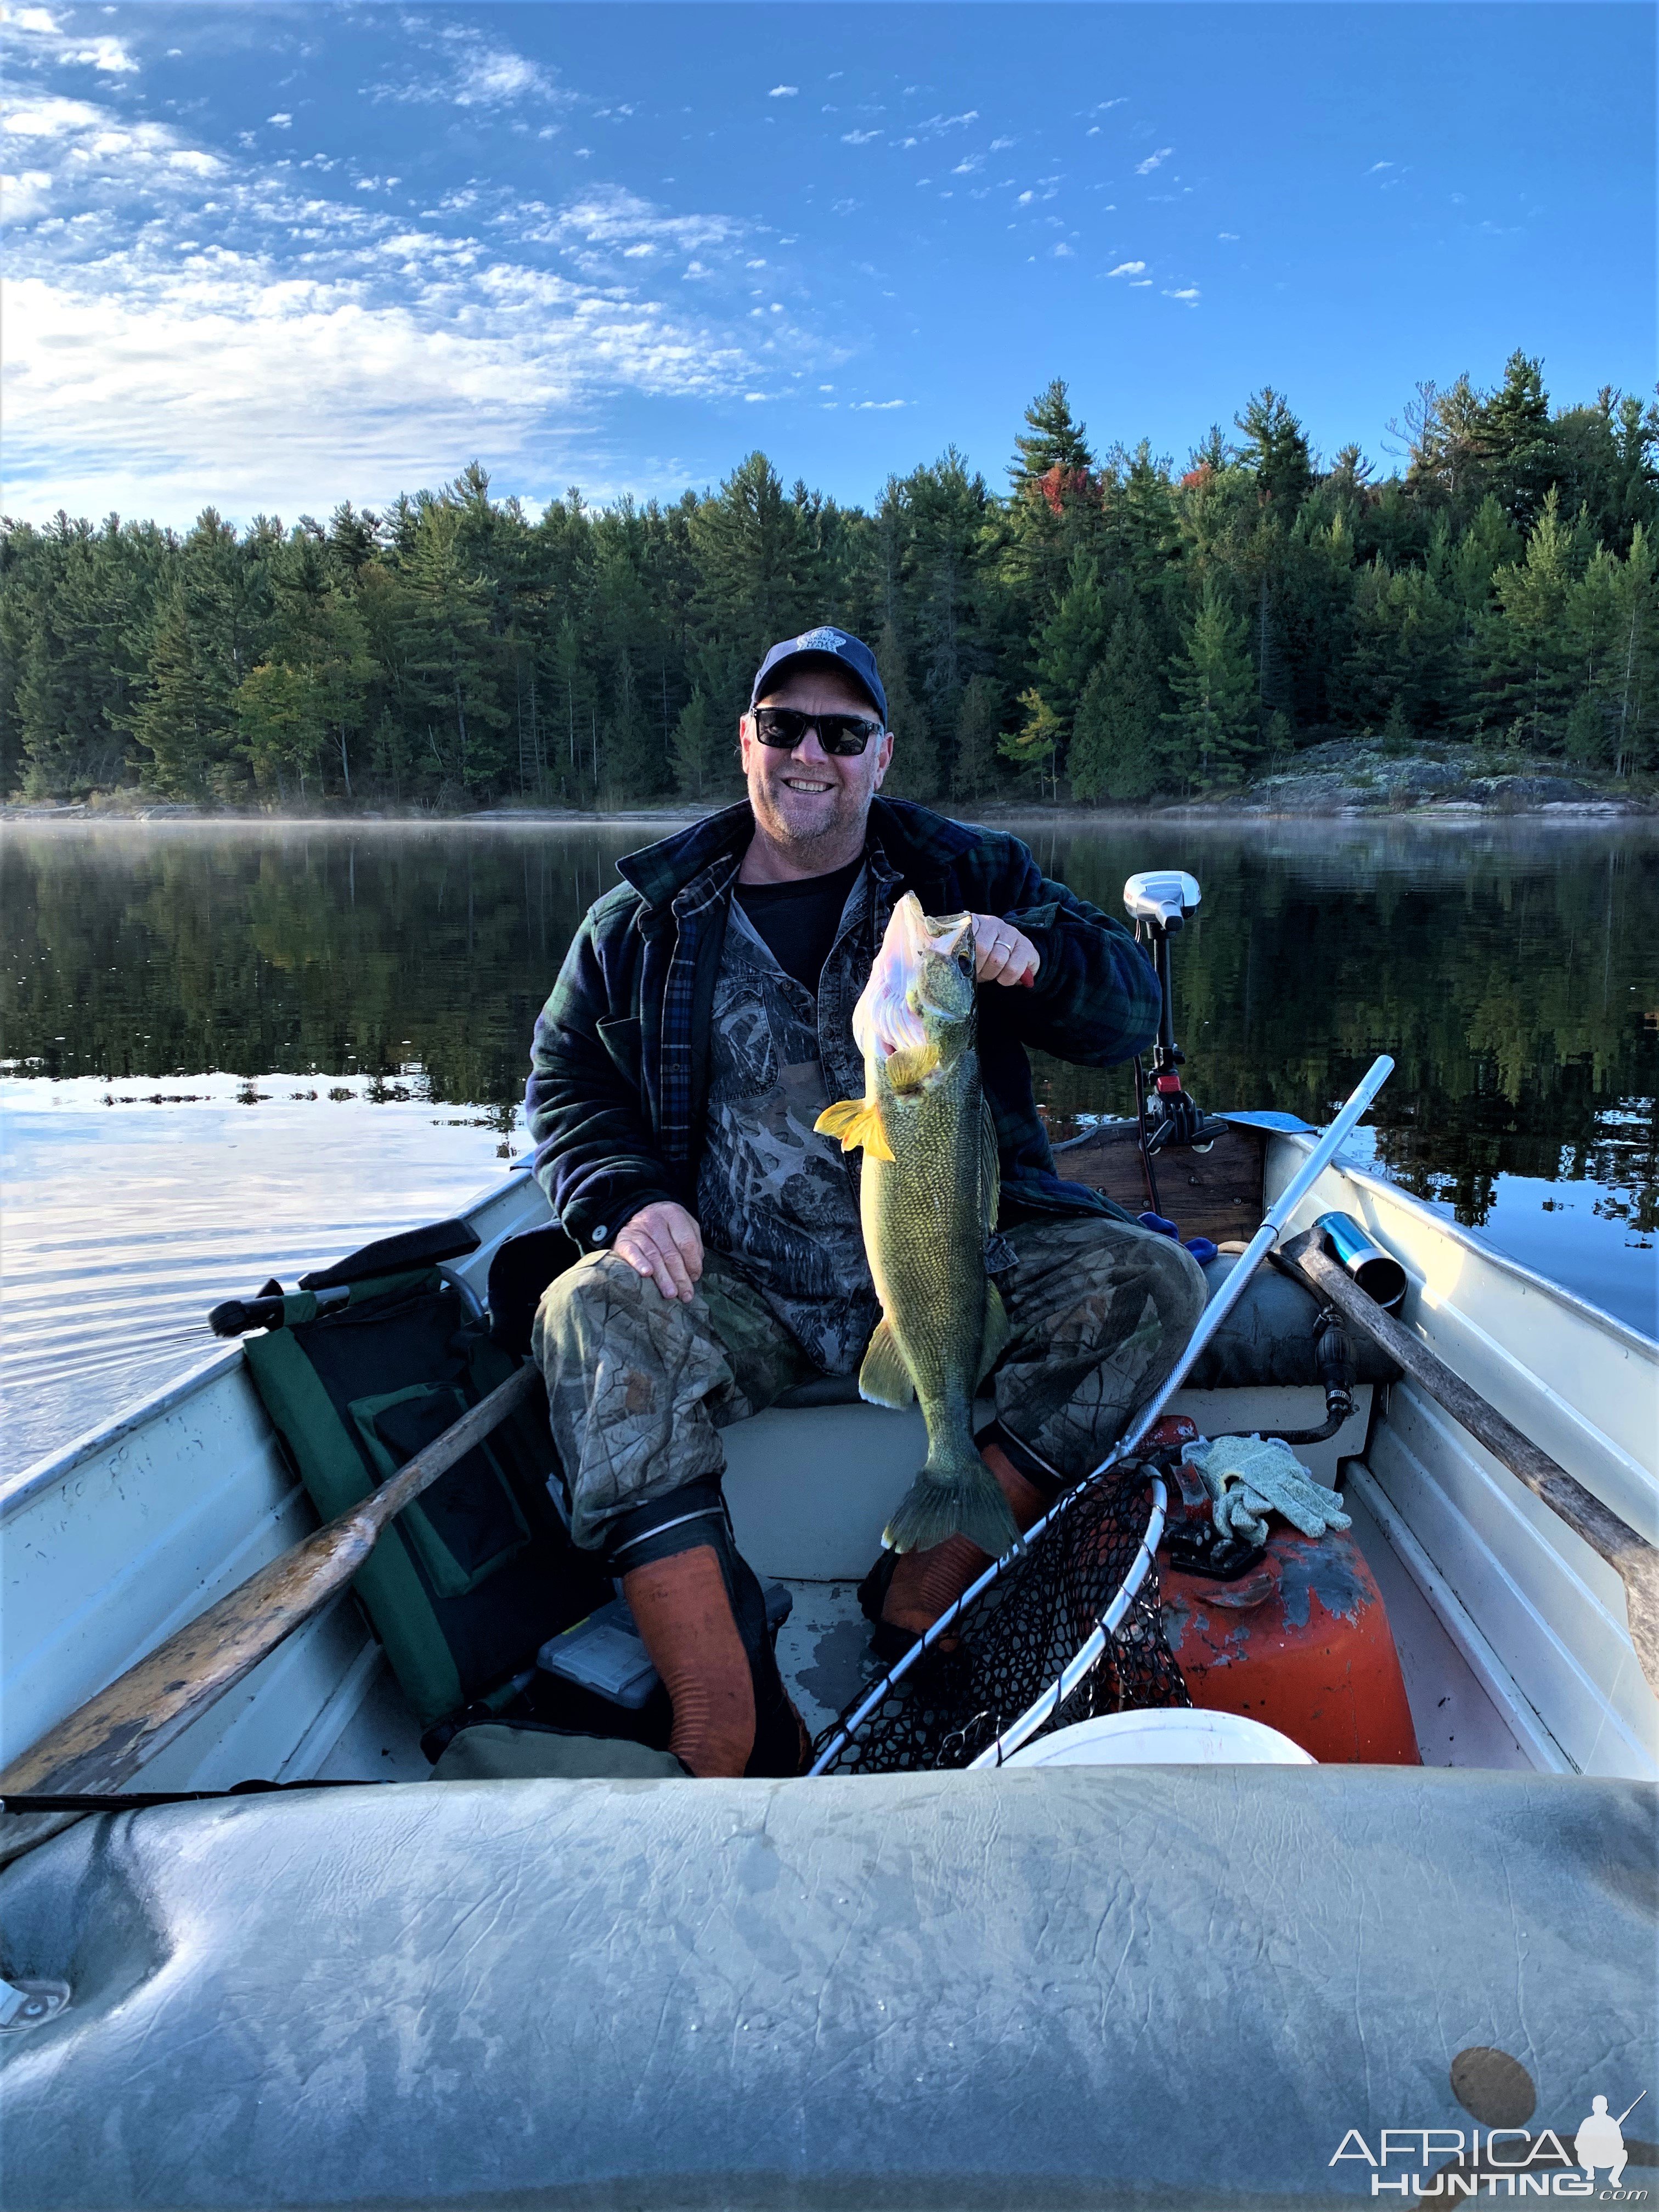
column 1513, row 977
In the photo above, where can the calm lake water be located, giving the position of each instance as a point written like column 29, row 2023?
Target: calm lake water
column 233, row 1052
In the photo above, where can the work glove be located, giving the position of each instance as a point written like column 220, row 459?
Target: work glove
column 1249, row 1477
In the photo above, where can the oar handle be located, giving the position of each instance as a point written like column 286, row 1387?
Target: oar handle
column 1629, row 1553
column 115, row 1733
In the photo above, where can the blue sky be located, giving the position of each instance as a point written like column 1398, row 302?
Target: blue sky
column 271, row 256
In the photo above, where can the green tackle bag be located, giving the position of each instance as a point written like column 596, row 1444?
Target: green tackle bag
column 473, row 1577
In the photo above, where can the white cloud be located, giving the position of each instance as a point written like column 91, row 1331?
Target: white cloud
column 25, row 195
column 1128, row 269
column 783, row 92
column 967, row 168
column 281, row 122
column 859, row 138
column 1187, row 292
column 875, row 406
column 1001, row 145
column 1093, row 131
column 50, row 117
column 1377, row 167
column 261, row 347
column 1144, row 169
column 472, row 72
column 66, row 48
column 304, row 386
column 1062, row 252
column 1228, row 237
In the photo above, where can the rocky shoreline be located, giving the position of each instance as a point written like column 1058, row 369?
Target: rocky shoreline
column 1343, row 778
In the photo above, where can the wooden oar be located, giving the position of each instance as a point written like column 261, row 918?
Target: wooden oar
column 111, row 1737
column 1633, row 1558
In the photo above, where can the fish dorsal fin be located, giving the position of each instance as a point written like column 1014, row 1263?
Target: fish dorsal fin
column 884, row 1379
column 997, row 1331
column 909, row 1068
column 990, row 1169
column 855, row 1121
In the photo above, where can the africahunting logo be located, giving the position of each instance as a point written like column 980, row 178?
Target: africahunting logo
column 1450, row 2164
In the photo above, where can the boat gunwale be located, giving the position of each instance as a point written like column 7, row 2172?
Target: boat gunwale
column 1608, row 1323
column 16, row 1489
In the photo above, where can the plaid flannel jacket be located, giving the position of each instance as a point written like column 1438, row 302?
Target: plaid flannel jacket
column 619, row 1068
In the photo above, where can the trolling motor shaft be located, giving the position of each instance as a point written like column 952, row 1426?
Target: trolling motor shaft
column 1159, row 901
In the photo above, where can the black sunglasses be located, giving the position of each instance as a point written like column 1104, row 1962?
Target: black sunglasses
column 844, row 735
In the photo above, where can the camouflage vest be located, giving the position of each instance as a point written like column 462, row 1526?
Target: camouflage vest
column 779, row 1201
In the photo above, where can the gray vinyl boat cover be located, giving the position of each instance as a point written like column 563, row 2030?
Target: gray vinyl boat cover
column 1071, row 1987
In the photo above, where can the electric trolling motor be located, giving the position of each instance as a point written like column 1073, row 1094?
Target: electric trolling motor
column 1159, row 901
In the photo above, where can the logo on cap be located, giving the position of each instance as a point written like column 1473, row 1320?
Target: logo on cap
column 821, row 640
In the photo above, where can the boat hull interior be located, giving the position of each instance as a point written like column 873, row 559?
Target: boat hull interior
column 1511, row 1633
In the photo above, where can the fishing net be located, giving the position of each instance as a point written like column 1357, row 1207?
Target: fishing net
column 1012, row 1642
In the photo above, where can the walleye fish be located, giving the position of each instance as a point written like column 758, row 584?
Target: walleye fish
column 928, row 1202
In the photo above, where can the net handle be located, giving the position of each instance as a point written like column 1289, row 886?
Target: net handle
column 1214, row 1314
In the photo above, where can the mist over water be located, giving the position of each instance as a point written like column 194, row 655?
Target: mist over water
column 237, row 1050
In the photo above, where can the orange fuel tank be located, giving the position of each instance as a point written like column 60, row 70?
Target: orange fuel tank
column 1301, row 1642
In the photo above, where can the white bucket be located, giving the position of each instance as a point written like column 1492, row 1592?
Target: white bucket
column 1182, row 1737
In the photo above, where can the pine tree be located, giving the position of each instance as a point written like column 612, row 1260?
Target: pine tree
column 913, row 773
column 702, row 750
column 1120, row 740
column 1214, row 685
column 1633, row 687
column 973, row 770
column 1073, row 639
column 1276, row 451
column 750, row 588
column 1530, row 651
column 1035, row 746
column 184, row 720
column 1051, row 439
column 1513, row 439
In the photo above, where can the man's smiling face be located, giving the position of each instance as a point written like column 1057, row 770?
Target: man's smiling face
column 808, row 802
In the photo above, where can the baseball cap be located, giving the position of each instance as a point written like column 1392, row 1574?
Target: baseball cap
column 854, row 655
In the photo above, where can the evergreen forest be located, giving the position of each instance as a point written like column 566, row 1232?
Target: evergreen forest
column 1113, row 629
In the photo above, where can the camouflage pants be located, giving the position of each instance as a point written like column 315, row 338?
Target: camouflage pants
column 638, row 1386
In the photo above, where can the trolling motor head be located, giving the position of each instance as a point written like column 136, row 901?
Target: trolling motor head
column 1162, row 897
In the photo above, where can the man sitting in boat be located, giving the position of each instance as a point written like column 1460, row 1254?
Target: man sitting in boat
column 700, row 1024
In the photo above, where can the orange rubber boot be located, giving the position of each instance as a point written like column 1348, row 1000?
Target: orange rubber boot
column 924, row 1583
column 685, row 1621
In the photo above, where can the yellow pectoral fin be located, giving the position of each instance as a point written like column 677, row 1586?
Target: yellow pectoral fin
column 855, row 1121
column 909, row 1068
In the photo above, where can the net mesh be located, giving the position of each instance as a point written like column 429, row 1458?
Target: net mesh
column 1012, row 1642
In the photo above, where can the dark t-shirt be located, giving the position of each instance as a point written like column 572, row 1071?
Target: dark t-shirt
column 797, row 922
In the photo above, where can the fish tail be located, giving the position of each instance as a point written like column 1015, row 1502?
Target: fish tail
column 944, row 1502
